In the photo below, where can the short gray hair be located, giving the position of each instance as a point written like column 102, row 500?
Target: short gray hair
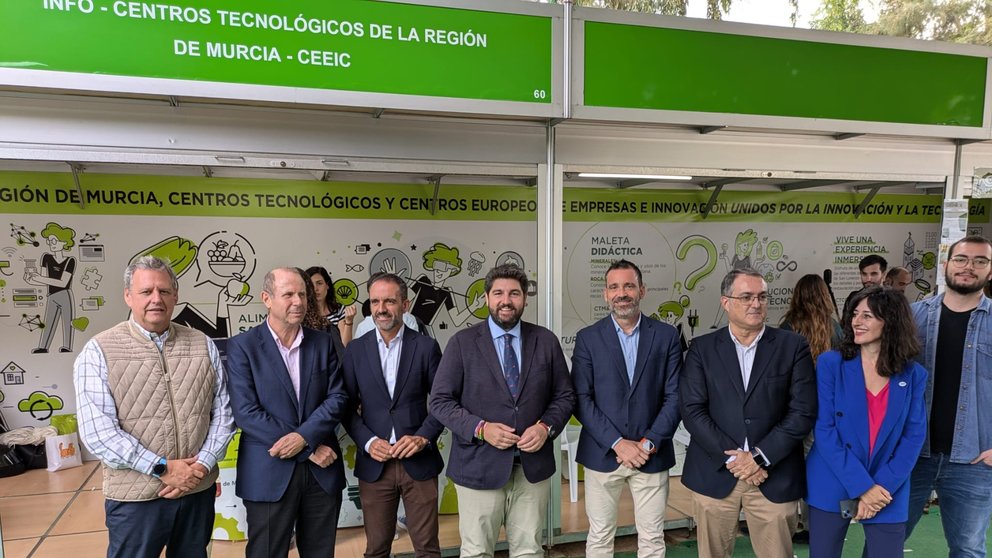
column 150, row 263
column 269, row 283
column 727, row 285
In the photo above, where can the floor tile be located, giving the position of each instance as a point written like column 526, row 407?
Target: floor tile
column 40, row 481
column 85, row 514
column 30, row 516
column 82, row 544
column 19, row 548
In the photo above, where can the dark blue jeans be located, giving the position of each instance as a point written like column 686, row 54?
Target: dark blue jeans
column 143, row 529
column 965, row 493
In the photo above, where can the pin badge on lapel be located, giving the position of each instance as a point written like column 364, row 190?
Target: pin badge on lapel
column 902, row 384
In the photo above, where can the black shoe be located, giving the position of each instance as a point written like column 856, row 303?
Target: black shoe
column 801, row 537
column 39, row 351
column 65, row 350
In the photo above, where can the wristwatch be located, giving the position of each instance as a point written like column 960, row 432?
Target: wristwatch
column 647, row 445
column 759, row 458
column 160, row 468
column 551, row 430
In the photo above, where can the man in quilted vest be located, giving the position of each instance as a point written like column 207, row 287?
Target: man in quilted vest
column 153, row 405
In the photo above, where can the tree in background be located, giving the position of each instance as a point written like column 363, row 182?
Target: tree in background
column 840, row 15
column 960, row 21
column 715, row 9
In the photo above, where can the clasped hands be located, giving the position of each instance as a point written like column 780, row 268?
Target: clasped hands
column 745, row 468
column 872, row 502
column 631, row 454
column 293, row 443
column 181, row 476
column 501, row 436
column 407, row 446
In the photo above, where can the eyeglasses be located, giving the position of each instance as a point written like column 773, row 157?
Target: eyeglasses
column 747, row 299
column 978, row 262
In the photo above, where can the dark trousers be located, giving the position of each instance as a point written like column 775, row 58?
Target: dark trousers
column 828, row 529
column 142, row 529
column 305, row 506
column 380, row 500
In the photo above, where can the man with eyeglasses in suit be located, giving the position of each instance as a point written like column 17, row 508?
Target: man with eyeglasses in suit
column 748, row 398
column 956, row 333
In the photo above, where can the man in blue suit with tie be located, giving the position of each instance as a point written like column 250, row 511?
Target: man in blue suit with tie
column 288, row 397
column 503, row 390
column 625, row 368
column 388, row 376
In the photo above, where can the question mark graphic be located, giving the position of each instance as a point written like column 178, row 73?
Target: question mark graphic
column 690, row 242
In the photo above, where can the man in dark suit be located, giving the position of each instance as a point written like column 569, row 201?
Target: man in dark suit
column 288, row 397
column 503, row 390
column 748, row 397
column 389, row 375
column 625, row 368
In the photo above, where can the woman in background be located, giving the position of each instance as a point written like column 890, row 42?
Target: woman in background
column 811, row 314
column 870, row 427
column 314, row 319
column 333, row 313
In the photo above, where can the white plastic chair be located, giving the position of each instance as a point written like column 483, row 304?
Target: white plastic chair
column 570, row 444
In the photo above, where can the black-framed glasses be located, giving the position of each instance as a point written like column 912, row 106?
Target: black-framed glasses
column 747, row 299
column 979, row 262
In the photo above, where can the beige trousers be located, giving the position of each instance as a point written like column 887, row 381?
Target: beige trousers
column 771, row 525
column 650, row 495
column 519, row 505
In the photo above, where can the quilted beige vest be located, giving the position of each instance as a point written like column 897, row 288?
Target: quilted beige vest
column 163, row 399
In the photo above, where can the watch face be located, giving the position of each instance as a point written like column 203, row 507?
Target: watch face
column 159, row 468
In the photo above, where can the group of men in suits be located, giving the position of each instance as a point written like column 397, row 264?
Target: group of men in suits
column 503, row 388
column 746, row 394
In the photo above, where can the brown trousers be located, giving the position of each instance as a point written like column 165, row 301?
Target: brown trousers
column 380, row 501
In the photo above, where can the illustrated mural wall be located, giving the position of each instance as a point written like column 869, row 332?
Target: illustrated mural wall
column 783, row 235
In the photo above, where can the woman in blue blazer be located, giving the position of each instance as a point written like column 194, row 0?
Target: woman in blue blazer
column 869, row 428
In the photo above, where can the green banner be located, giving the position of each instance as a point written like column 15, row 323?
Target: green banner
column 55, row 193
column 110, row 194
column 670, row 206
column 628, row 66
column 351, row 45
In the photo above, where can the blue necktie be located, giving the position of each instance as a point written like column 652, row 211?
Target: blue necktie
column 511, row 370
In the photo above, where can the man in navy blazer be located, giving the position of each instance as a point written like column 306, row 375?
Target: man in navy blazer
column 388, row 377
column 748, row 397
column 503, row 390
column 625, row 369
column 288, row 397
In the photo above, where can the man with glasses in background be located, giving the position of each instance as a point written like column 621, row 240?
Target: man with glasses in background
column 956, row 460
column 748, row 398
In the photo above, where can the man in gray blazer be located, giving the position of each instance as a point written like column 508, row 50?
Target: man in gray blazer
column 504, row 391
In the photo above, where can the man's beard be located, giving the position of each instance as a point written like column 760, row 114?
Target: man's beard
column 507, row 325
column 964, row 289
column 632, row 310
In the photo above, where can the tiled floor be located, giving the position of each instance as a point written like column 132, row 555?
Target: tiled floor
column 54, row 515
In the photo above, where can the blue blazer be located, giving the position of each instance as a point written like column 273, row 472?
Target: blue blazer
column 470, row 387
column 405, row 411
column 266, row 408
column 609, row 406
column 839, row 467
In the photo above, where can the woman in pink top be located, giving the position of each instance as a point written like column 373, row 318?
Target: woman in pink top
column 870, row 427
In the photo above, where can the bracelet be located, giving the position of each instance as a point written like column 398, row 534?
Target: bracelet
column 346, row 322
column 481, row 431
